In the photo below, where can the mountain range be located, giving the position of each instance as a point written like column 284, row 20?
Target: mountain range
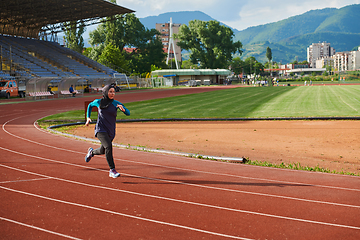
column 183, row 17
column 288, row 38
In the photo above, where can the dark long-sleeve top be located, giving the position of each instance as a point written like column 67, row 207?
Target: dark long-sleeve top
column 106, row 121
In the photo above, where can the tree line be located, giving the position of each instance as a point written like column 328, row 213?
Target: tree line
column 123, row 43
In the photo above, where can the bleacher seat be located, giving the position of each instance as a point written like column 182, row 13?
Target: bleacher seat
column 48, row 59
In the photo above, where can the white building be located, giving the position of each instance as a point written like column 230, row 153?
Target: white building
column 342, row 61
column 175, row 77
column 317, row 51
column 355, row 60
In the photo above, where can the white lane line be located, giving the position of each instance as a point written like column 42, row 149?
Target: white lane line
column 162, row 166
column 51, row 160
column 37, row 228
column 188, row 184
column 28, row 140
column 185, row 202
column 122, row 214
column 198, row 171
column 26, row 180
column 11, row 114
column 205, row 172
column 242, row 177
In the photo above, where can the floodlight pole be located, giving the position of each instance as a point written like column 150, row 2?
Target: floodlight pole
column 171, row 43
column 1, row 58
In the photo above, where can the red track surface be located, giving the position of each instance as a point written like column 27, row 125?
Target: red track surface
column 47, row 191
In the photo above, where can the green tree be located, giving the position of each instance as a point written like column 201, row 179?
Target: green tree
column 258, row 68
column 329, row 68
column 210, row 43
column 144, row 47
column 187, row 64
column 269, row 57
column 73, row 35
column 252, row 66
column 87, row 51
column 154, row 68
column 95, row 52
column 268, row 54
column 112, row 57
column 237, row 65
column 150, row 52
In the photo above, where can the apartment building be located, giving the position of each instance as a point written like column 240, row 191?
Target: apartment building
column 344, row 61
column 355, row 60
column 164, row 29
column 341, row 61
column 317, row 51
column 324, row 62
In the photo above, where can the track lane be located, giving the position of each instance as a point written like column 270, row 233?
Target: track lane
column 168, row 181
column 257, row 184
column 336, row 181
column 217, row 182
column 145, row 208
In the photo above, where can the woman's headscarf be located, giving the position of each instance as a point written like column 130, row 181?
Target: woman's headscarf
column 106, row 101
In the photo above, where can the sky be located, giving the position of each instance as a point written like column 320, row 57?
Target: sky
column 239, row 14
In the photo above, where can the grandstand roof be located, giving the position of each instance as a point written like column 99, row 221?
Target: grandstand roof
column 27, row 17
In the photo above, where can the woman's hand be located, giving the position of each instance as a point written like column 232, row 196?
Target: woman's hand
column 88, row 120
column 121, row 107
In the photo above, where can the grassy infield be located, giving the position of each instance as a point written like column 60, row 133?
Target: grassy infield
column 252, row 102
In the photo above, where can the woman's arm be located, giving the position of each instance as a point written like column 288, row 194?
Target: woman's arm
column 122, row 108
column 94, row 103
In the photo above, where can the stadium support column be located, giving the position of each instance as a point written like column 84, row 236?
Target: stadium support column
column 10, row 61
column 171, row 43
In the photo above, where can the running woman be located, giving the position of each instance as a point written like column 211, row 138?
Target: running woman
column 105, row 126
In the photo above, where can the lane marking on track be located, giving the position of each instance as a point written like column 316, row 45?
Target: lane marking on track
column 188, row 184
column 123, row 215
column 11, row 114
column 198, row 171
column 237, row 176
column 183, row 201
column 162, row 166
column 195, row 185
column 37, row 228
column 26, row 180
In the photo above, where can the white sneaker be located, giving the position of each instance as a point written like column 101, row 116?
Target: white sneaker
column 113, row 173
column 89, row 155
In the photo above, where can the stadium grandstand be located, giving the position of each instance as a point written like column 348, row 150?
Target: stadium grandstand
column 30, row 53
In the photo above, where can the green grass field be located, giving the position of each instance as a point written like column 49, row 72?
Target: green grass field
column 314, row 101
column 251, row 102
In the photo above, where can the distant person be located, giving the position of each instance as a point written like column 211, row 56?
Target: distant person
column 71, row 90
column 105, row 126
column 49, row 90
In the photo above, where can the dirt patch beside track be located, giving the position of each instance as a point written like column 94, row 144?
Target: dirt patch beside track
column 333, row 145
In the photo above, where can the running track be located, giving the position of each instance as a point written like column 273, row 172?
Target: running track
column 47, row 191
